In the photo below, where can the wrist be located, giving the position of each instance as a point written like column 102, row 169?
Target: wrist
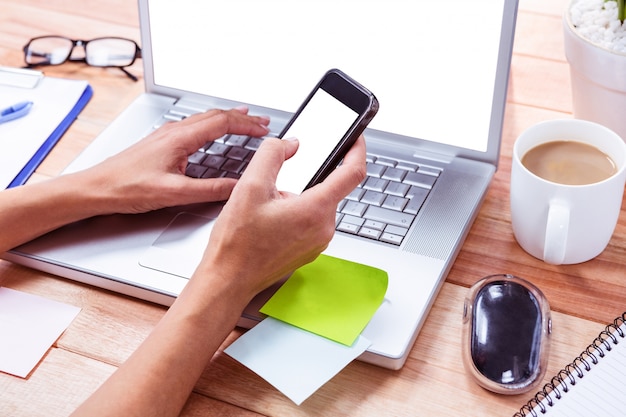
column 216, row 277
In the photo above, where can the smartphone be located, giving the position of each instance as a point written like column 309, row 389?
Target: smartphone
column 326, row 125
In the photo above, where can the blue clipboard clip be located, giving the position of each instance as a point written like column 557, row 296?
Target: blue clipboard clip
column 15, row 111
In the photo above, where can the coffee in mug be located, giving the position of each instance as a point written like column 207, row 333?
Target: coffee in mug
column 553, row 220
column 569, row 162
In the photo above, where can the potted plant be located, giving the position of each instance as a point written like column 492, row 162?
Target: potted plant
column 595, row 47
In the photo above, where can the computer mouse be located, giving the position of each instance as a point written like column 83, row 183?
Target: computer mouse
column 506, row 334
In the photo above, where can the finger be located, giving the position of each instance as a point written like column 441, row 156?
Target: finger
column 243, row 109
column 346, row 177
column 221, row 122
column 200, row 129
column 269, row 158
column 232, row 119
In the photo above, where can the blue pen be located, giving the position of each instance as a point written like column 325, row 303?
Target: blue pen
column 15, row 111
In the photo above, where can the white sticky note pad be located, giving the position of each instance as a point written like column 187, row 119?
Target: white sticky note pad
column 294, row 361
column 29, row 325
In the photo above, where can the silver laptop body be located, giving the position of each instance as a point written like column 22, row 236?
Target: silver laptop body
column 439, row 70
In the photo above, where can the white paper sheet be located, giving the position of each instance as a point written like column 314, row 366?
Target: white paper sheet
column 29, row 325
column 294, row 361
column 53, row 99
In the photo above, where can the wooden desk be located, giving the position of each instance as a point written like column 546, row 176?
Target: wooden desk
column 433, row 382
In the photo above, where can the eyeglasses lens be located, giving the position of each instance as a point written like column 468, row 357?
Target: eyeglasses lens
column 110, row 52
column 49, row 50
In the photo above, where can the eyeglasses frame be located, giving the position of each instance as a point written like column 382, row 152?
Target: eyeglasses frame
column 83, row 44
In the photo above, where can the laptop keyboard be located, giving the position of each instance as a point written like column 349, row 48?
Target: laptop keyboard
column 383, row 207
column 225, row 157
column 386, row 203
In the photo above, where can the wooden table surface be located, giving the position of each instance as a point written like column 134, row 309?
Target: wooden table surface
column 583, row 297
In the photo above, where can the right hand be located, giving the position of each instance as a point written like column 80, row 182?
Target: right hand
column 262, row 234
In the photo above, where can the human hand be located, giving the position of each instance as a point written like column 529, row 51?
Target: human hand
column 151, row 174
column 262, row 234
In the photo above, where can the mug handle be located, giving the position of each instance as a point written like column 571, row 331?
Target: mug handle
column 557, row 228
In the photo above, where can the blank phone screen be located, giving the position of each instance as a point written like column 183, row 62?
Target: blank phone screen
column 319, row 128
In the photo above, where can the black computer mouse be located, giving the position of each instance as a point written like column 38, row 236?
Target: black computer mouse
column 506, row 334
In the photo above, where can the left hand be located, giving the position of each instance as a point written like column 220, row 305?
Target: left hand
column 151, row 174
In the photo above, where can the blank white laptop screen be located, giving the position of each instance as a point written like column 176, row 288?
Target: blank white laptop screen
column 431, row 64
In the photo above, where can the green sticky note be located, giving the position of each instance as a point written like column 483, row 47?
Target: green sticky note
column 330, row 297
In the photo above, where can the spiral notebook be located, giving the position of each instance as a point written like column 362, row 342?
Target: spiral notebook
column 593, row 384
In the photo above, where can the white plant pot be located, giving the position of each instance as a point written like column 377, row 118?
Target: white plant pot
column 598, row 80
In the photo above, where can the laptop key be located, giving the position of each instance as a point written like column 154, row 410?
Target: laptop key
column 253, row 144
column 348, row 228
column 375, row 184
column 371, row 233
column 371, row 224
column 384, row 215
column 430, row 171
column 373, row 197
column 355, row 195
column 386, row 162
column 418, row 196
column 173, row 117
column 196, row 157
column 421, row 180
column 396, row 230
column 354, row 208
column 237, row 153
column 391, row 238
column 375, row 170
column 395, row 203
column 194, row 170
column 397, row 188
column 407, row 166
column 237, row 140
column 394, row 174
column 217, row 148
column 233, row 165
column 213, row 173
column 358, row 221
column 214, row 161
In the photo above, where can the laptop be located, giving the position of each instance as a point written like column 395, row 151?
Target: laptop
column 440, row 72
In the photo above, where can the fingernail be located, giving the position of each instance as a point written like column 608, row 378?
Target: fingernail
column 291, row 138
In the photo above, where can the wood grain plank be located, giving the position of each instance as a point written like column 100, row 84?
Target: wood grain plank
column 534, row 29
column 546, row 7
column 63, row 380
column 540, row 83
column 110, row 326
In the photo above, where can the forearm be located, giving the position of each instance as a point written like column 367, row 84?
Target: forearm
column 32, row 210
column 158, row 378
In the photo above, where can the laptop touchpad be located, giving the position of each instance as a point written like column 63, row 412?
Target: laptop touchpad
column 179, row 248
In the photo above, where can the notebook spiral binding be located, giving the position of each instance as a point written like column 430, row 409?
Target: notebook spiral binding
column 558, row 385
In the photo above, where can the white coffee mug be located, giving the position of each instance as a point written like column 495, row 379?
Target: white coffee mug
column 566, row 224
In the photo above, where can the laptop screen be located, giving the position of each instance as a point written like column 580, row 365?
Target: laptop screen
column 432, row 65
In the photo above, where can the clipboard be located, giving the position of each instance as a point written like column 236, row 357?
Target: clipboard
column 24, row 143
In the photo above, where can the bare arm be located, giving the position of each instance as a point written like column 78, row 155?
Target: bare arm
column 260, row 236
column 147, row 176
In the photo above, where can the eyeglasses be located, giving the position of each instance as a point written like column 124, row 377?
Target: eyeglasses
column 101, row 52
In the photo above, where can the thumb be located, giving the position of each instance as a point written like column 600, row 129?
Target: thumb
column 269, row 158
